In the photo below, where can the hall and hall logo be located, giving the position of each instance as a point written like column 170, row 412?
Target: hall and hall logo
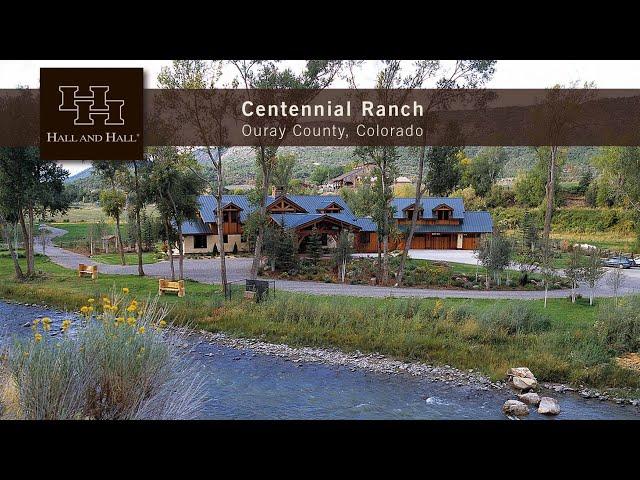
column 91, row 113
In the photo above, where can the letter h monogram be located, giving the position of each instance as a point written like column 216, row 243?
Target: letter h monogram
column 88, row 106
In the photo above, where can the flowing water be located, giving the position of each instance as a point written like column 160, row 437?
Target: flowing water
column 243, row 384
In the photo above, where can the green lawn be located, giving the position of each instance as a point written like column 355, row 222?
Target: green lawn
column 414, row 329
column 81, row 212
column 130, row 258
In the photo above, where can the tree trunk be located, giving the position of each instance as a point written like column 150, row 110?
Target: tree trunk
column 414, row 218
column 546, row 291
column 25, row 241
column 139, row 240
column 12, row 252
column 220, row 225
column 119, row 238
column 31, row 256
column 257, row 253
column 181, row 251
column 550, row 194
column 138, row 222
column 169, row 249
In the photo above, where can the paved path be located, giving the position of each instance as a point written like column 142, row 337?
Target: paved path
column 208, row 271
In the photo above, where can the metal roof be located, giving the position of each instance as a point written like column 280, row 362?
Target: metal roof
column 195, row 227
column 293, row 220
column 428, row 204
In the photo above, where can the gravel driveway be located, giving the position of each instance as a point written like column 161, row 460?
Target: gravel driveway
column 208, row 271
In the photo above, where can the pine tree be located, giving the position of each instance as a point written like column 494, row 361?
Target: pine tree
column 314, row 247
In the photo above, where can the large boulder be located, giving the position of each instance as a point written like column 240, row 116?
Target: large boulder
column 549, row 406
column 515, row 407
column 530, row 398
column 522, row 379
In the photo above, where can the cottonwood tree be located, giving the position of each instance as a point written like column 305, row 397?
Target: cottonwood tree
column 30, row 187
column 485, row 168
column 574, row 271
column 494, row 253
column 134, row 179
column 113, row 198
column 616, row 280
column 528, row 248
column 343, row 253
column 464, row 74
column 262, row 74
column 593, row 271
column 207, row 117
column 176, row 181
column 558, row 115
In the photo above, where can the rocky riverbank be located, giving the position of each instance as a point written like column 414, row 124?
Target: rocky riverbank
column 370, row 362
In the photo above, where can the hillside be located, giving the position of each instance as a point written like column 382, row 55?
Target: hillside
column 240, row 162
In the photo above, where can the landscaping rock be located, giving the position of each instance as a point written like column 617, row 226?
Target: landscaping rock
column 549, row 406
column 522, row 379
column 515, row 407
column 530, row 398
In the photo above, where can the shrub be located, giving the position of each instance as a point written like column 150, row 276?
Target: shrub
column 514, row 318
column 119, row 364
column 618, row 327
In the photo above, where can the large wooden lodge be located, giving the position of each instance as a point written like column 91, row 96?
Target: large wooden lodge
column 443, row 223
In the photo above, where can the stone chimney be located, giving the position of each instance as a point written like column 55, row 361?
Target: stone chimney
column 277, row 190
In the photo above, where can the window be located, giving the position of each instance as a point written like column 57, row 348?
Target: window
column 225, row 239
column 443, row 214
column 199, row 241
column 230, row 216
column 365, row 237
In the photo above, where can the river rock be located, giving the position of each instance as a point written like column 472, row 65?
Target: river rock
column 522, row 379
column 530, row 398
column 515, row 407
column 549, row 406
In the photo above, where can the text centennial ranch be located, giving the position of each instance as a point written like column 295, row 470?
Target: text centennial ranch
column 329, row 109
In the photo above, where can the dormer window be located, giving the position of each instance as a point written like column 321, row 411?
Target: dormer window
column 444, row 214
column 331, row 208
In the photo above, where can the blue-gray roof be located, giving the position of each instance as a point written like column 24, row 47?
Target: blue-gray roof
column 195, row 227
column 209, row 205
column 313, row 203
column 293, row 220
column 472, row 222
column 428, row 204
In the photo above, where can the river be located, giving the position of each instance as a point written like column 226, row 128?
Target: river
column 244, row 384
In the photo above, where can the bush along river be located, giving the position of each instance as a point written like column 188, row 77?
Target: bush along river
column 248, row 379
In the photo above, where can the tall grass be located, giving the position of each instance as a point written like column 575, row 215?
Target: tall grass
column 487, row 336
column 618, row 326
column 120, row 362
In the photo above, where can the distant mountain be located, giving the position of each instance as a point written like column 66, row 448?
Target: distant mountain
column 86, row 173
column 239, row 162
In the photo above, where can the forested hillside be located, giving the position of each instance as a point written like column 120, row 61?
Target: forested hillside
column 239, row 162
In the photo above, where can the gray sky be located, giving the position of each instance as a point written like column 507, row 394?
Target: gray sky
column 509, row 74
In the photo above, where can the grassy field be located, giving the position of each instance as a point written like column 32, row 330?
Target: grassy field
column 457, row 332
column 130, row 258
column 81, row 212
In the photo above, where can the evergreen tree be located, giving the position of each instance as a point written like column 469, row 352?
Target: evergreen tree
column 314, row 247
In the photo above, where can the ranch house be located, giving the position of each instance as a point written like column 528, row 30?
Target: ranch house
column 443, row 223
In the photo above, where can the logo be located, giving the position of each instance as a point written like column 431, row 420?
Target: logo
column 88, row 107
column 91, row 113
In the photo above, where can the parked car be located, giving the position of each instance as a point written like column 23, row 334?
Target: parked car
column 618, row 262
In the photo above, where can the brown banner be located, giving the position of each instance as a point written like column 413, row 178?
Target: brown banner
column 335, row 117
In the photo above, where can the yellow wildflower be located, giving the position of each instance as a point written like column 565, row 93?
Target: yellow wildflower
column 141, row 330
column 65, row 325
column 125, row 290
column 163, row 323
column 26, row 354
column 37, row 337
column 91, row 300
column 36, row 321
column 46, row 327
column 131, row 321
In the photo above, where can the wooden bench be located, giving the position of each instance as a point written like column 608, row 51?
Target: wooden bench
column 91, row 270
column 171, row 287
